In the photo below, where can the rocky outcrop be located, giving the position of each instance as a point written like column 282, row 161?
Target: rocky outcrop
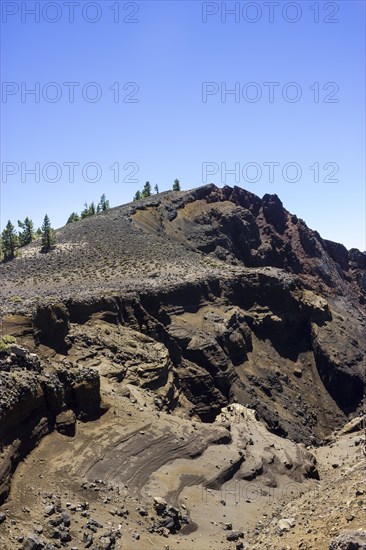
column 274, row 212
column 34, row 400
column 125, row 356
column 338, row 253
column 341, row 367
column 51, row 325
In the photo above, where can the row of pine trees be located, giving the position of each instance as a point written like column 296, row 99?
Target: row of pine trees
column 146, row 191
column 90, row 210
column 11, row 240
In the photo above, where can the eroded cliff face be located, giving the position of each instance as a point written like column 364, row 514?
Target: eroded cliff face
column 239, row 228
column 259, row 338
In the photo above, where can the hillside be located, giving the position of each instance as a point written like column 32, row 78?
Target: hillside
column 178, row 236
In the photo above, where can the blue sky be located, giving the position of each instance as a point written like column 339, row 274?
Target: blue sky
column 165, row 125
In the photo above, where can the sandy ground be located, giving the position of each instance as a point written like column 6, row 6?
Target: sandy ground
column 134, row 453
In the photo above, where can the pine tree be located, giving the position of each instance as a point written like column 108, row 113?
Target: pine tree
column 137, row 196
column 9, row 241
column 89, row 210
column 146, row 192
column 156, row 189
column 27, row 235
column 103, row 204
column 92, row 209
column 48, row 235
column 74, row 217
column 84, row 213
column 176, row 185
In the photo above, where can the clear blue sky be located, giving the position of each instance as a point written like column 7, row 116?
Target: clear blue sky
column 169, row 132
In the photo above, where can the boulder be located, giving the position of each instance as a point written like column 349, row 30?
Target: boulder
column 65, row 422
column 286, row 524
column 234, row 535
column 32, row 543
column 19, row 351
column 349, row 540
column 160, row 504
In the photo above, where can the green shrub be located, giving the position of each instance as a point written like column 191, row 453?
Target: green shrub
column 15, row 299
column 5, row 342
